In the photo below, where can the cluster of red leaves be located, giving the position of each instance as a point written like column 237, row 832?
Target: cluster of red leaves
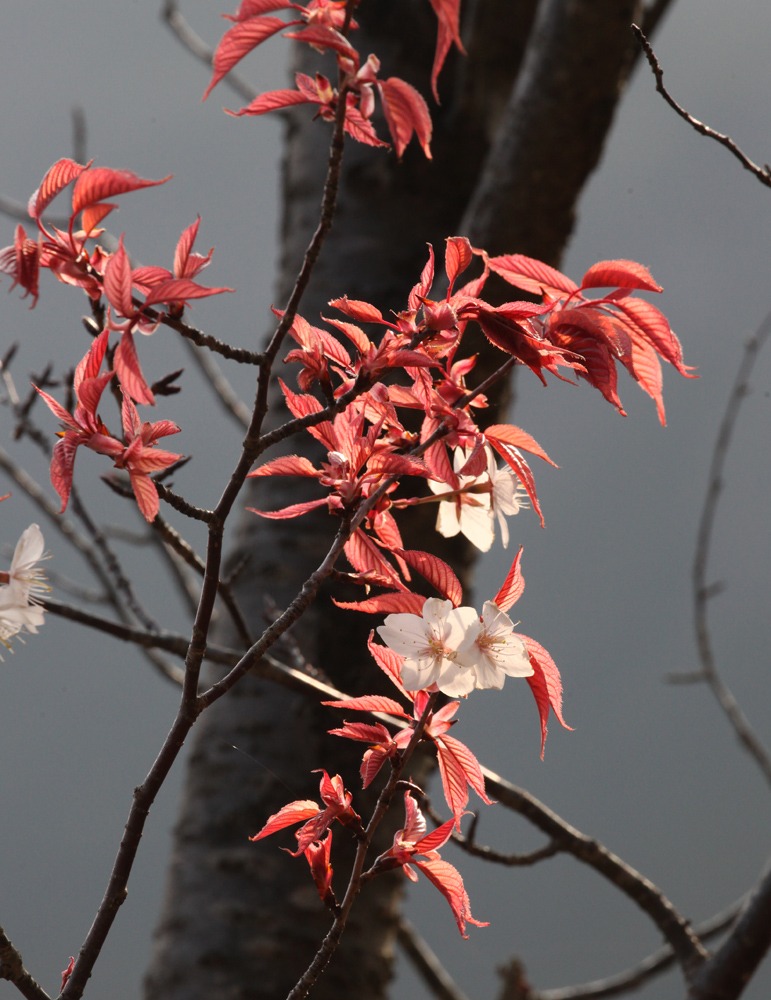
column 618, row 327
column 321, row 24
column 136, row 452
column 368, row 446
column 99, row 273
column 102, row 274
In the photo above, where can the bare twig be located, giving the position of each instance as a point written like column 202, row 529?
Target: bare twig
column 197, row 47
column 201, row 339
column 701, row 591
column 12, row 969
column 632, row 979
column 763, row 174
column 426, row 963
column 180, row 504
column 675, row 929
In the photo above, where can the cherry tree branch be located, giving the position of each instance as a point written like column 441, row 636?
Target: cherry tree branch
column 358, row 876
column 654, row 965
column 729, row 970
column 675, row 929
column 426, row 963
column 763, row 174
column 12, row 969
column 201, row 339
column 702, row 592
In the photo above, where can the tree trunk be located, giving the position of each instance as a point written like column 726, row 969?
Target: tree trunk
column 243, row 920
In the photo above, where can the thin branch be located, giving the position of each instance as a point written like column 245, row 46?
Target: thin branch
column 201, row 339
column 729, row 970
column 426, row 963
column 469, row 845
column 197, row 47
column 701, row 591
column 223, row 390
column 181, row 505
column 12, row 969
column 763, row 174
column 674, row 928
column 654, row 965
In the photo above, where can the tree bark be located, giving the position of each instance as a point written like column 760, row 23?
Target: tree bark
column 243, row 920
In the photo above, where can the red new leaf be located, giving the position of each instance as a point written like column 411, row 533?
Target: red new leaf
column 57, row 178
column 361, row 311
column 371, row 702
column 457, row 257
column 546, row 685
column 238, row 42
column 102, row 182
column 389, row 662
column 532, row 275
column 517, row 438
column 386, row 603
column 437, row 572
column 272, row 101
column 294, row 812
column 295, row 510
column 287, row 465
column 619, row 274
column 448, row 881
column 513, row 585
column 516, row 462
column 180, row 289
column 406, row 112
column 363, row 732
column 469, row 764
column 129, row 371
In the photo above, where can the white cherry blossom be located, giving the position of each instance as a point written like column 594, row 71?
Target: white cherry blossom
column 494, row 493
column 24, row 583
column 429, row 645
column 493, row 651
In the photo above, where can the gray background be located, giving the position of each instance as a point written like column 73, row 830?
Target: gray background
column 651, row 770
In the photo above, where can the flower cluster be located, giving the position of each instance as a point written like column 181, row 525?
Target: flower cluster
column 21, row 588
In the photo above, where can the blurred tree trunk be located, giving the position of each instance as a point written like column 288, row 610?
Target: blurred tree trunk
column 521, row 126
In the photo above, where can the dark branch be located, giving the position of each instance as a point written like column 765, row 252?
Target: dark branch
column 426, row 963
column 701, row 591
column 763, row 174
column 12, row 969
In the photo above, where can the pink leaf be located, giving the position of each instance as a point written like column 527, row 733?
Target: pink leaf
column 517, row 438
column 363, row 732
column 619, row 274
column 323, row 37
column 363, row 312
column 294, row 812
column 516, row 462
column 117, row 282
column 513, row 585
column 387, row 604
column 469, row 764
column 287, row 465
column 272, row 101
column 365, row 557
column 179, row 289
column 370, row 703
column 253, row 8
column 102, row 182
column 406, row 112
column 146, row 494
column 437, row 572
column 453, row 781
column 448, row 881
column 389, row 662
column 457, row 257
column 546, row 685
column 423, row 287
column 94, row 214
column 129, row 372
column 654, row 326
column 295, row 510
column 448, row 15
column 57, row 178
column 238, row 42
column 532, row 275
column 371, row 762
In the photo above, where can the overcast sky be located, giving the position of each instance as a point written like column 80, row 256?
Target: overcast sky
column 651, row 770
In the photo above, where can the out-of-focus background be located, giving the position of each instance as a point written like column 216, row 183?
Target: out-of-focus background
column 652, row 770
